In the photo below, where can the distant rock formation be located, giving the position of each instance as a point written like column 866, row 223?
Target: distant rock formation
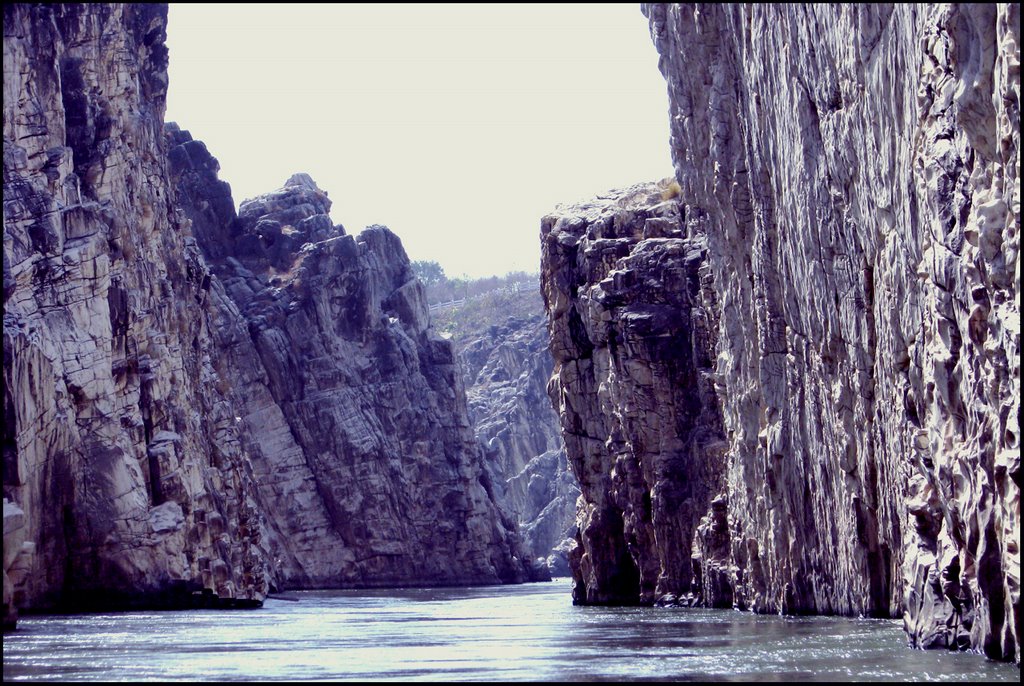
column 804, row 380
column 177, row 435
column 507, row 367
column 351, row 409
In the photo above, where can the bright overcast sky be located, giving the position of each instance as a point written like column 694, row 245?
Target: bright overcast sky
column 457, row 126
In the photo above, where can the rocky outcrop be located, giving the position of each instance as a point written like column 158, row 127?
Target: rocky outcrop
column 351, row 408
column 506, row 370
column 854, row 173
column 632, row 334
column 179, row 435
column 17, row 561
column 119, row 448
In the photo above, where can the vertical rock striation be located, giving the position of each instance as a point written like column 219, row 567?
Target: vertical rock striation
column 118, row 447
column 177, row 433
column 854, row 172
column 632, row 332
column 506, row 370
column 351, row 407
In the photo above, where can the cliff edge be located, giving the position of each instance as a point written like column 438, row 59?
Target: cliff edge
column 201, row 407
column 836, row 291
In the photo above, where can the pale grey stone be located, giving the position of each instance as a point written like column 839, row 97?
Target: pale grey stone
column 854, row 172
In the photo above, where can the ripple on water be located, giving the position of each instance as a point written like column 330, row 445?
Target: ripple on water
column 527, row 632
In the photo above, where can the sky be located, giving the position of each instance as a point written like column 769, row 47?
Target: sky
column 457, row 126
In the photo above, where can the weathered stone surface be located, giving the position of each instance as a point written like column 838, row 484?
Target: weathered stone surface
column 632, row 330
column 506, row 371
column 350, row 406
column 17, row 561
column 110, row 405
column 177, row 438
column 854, row 170
column 869, row 189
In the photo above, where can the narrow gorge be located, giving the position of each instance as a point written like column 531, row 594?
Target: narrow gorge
column 784, row 381
column 789, row 381
column 506, row 367
column 199, row 407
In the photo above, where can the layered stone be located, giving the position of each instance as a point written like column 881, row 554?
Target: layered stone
column 854, row 171
column 351, row 407
column 506, row 370
column 176, row 435
column 119, row 448
column 632, row 333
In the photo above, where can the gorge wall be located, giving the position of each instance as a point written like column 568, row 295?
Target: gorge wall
column 350, row 407
column 632, row 332
column 112, row 416
column 200, row 407
column 795, row 386
column 506, row 367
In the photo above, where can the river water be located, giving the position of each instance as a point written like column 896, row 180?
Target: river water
column 527, row 632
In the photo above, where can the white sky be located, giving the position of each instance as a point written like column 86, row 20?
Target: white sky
column 457, row 126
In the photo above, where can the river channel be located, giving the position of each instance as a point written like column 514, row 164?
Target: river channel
column 511, row 633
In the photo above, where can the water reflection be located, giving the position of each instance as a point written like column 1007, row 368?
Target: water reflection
column 529, row 632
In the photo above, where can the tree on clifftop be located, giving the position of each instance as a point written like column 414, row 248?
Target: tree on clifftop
column 429, row 272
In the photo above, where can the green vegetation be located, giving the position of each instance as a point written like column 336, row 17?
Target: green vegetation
column 671, row 190
column 442, row 289
column 463, row 307
column 430, row 273
column 475, row 315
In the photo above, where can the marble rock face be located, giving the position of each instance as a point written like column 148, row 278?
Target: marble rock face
column 506, row 370
column 633, row 327
column 119, row 452
column 854, row 173
column 199, row 407
column 17, row 561
column 350, row 406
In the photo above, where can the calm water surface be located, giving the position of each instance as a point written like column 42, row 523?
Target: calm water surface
column 528, row 632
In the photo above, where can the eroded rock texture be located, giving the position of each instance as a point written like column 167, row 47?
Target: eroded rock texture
column 119, row 448
column 507, row 368
column 632, row 328
column 17, row 562
column 351, row 408
column 282, row 417
column 854, row 171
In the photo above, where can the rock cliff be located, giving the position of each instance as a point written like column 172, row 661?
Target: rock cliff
column 506, row 369
column 632, row 334
column 827, row 317
column 352, row 410
column 119, row 447
column 182, row 428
